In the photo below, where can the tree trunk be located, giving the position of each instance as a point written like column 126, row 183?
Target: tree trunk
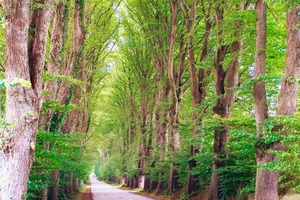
column 198, row 87
column 75, row 185
column 161, row 130
column 144, row 148
column 45, row 194
column 22, row 103
column 266, row 181
column 53, row 68
column 75, row 64
column 289, row 87
column 53, row 191
column 162, row 90
column 174, row 143
column 56, row 61
column 37, row 49
column 175, row 76
column 221, row 135
column 225, row 82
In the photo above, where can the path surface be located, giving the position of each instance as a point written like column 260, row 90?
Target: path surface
column 86, row 195
column 103, row 191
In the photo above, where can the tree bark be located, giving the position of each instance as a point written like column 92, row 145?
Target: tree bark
column 54, row 67
column 225, row 82
column 40, row 23
column 161, row 130
column 198, row 86
column 144, row 144
column 175, row 76
column 162, row 91
column 22, row 103
column 56, row 61
column 289, row 87
column 75, row 64
column 266, row 181
column 53, row 191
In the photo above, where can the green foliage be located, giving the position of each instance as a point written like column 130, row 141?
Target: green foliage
column 41, row 6
column 287, row 161
column 66, row 79
column 57, row 152
column 4, row 83
column 239, row 174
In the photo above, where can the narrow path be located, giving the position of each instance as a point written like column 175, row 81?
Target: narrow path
column 86, row 195
column 104, row 191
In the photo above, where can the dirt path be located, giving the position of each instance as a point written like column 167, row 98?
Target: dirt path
column 86, row 195
column 104, row 191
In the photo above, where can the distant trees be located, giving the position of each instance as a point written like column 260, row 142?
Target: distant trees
column 208, row 81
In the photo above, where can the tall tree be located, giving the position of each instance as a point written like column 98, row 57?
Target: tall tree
column 226, row 81
column 53, row 68
column 176, row 69
column 26, row 63
column 287, row 102
column 56, row 61
column 289, row 87
column 198, row 82
column 266, row 181
column 75, row 63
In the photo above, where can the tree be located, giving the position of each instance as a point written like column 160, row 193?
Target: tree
column 287, row 104
column 24, row 65
column 263, row 178
column 198, row 82
column 226, row 81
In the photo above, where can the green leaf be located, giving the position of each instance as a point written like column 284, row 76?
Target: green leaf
column 23, row 82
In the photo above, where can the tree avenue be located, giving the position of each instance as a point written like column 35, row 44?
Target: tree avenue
column 182, row 98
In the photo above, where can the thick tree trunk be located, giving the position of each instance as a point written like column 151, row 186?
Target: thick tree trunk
column 40, row 23
column 144, row 148
column 162, row 90
column 198, row 88
column 221, row 138
column 75, row 185
column 174, row 143
column 161, row 130
column 75, row 64
column 289, row 87
column 221, row 135
column 266, row 181
column 53, row 68
column 225, row 82
column 22, row 103
column 153, row 185
column 56, row 61
column 175, row 76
